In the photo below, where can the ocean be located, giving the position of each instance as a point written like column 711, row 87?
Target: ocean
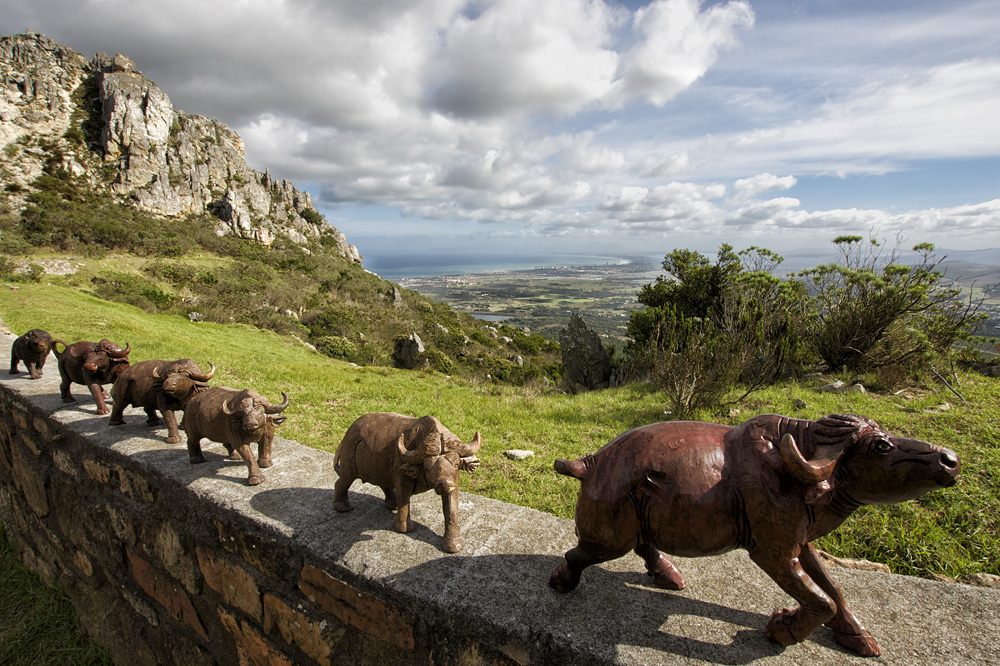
column 408, row 265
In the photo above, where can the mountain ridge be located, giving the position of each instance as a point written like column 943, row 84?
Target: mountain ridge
column 105, row 122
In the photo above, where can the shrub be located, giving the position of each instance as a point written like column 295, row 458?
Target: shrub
column 336, row 347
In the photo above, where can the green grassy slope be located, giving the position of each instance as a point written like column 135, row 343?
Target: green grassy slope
column 951, row 532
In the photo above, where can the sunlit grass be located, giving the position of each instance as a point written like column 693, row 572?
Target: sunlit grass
column 953, row 531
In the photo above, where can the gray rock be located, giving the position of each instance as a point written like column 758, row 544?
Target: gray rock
column 586, row 365
column 518, row 454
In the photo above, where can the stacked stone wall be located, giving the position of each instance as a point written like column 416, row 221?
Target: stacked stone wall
column 161, row 574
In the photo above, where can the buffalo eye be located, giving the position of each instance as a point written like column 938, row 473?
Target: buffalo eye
column 883, row 446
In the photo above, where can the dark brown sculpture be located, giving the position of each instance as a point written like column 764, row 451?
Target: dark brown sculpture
column 158, row 385
column 91, row 364
column 770, row 485
column 237, row 419
column 405, row 455
column 32, row 348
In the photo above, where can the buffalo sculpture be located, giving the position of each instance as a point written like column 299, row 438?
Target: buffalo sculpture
column 154, row 385
column 236, row 418
column 32, row 348
column 405, row 455
column 770, row 485
column 92, row 364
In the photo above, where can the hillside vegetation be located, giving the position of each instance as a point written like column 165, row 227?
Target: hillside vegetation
column 951, row 532
column 303, row 289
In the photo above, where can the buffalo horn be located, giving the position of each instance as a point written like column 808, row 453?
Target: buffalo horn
column 121, row 353
column 203, row 377
column 277, row 409
column 414, row 457
column 473, row 446
column 802, row 469
column 156, row 373
column 226, row 409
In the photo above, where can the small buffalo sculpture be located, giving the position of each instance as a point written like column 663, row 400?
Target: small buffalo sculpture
column 405, row 455
column 91, row 364
column 158, row 385
column 237, row 419
column 770, row 485
column 32, row 348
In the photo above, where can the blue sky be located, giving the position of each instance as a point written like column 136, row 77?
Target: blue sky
column 589, row 126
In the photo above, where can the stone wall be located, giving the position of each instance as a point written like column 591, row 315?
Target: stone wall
column 173, row 563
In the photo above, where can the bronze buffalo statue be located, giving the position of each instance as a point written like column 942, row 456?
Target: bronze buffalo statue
column 237, row 419
column 158, row 385
column 32, row 348
column 405, row 455
column 769, row 485
column 91, row 364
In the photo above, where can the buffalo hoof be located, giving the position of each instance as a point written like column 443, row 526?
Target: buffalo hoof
column 666, row 576
column 14, row 372
column 779, row 628
column 255, row 480
column 234, row 455
column 103, row 411
column 452, row 545
column 863, row 644
column 264, row 462
column 563, row 579
column 173, row 439
column 197, row 459
column 117, row 422
column 69, row 399
column 155, row 421
column 342, row 507
column 403, row 528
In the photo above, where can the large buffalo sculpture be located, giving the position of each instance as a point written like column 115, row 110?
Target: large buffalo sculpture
column 91, row 364
column 770, row 485
column 237, row 419
column 32, row 348
column 405, row 455
column 158, row 385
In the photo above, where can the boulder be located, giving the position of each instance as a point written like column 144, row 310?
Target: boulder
column 586, row 365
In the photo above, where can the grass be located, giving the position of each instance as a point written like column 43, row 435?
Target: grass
column 951, row 532
column 38, row 625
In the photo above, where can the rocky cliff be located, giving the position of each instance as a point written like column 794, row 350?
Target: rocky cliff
column 105, row 123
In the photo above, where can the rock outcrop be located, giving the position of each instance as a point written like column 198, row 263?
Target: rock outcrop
column 586, row 365
column 113, row 127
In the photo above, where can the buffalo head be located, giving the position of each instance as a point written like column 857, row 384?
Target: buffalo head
column 254, row 410
column 182, row 379
column 107, row 358
column 441, row 455
column 865, row 464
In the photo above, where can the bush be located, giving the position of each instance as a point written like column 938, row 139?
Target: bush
column 336, row 347
column 871, row 310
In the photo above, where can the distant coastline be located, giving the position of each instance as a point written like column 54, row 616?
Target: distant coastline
column 397, row 267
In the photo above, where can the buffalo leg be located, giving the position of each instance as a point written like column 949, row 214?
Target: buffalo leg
column 97, row 391
column 787, row 627
column 194, row 447
column 117, row 414
column 255, row 475
column 340, row 501
column 264, row 448
column 665, row 575
column 847, row 628
column 404, row 488
column 173, row 432
column 64, row 390
column 567, row 575
column 390, row 498
column 151, row 418
column 14, row 360
column 452, row 541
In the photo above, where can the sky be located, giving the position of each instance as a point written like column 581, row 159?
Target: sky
column 604, row 127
